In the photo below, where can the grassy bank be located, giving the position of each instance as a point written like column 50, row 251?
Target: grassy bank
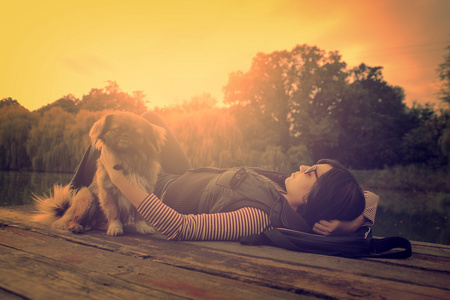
column 414, row 202
column 413, row 178
column 409, row 189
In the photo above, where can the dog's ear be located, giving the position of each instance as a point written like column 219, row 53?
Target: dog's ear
column 157, row 137
column 97, row 130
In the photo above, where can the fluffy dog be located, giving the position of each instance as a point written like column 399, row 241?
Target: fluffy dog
column 137, row 145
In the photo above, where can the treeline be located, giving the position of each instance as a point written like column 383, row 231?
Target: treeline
column 54, row 137
column 307, row 97
column 291, row 107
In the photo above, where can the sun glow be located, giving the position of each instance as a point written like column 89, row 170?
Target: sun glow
column 174, row 50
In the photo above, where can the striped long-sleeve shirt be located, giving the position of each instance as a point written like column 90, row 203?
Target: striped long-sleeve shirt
column 220, row 226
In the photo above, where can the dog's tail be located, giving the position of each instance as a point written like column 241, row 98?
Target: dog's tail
column 50, row 207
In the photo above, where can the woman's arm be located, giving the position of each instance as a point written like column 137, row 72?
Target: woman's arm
column 220, row 226
column 213, row 227
column 370, row 210
column 334, row 227
column 133, row 193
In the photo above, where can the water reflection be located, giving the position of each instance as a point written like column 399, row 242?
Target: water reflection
column 413, row 215
column 17, row 188
column 428, row 227
column 418, row 217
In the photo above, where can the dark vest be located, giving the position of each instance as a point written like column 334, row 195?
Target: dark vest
column 232, row 189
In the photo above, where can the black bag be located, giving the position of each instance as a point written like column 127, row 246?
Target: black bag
column 360, row 244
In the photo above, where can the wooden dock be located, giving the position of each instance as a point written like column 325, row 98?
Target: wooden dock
column 40, row 263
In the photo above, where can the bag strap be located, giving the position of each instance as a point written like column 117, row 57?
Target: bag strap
column 310, row 243
column 278, row 238
column 379, row 247
column 376, row 248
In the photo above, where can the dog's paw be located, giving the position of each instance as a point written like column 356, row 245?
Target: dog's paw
column 59, row 225
column 143, row 228
column 76, row 228
column 115, row 229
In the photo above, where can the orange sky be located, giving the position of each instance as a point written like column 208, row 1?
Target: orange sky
column 174, row 50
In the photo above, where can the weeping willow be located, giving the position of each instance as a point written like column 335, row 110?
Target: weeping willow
column 56, row 140
column 212, row 138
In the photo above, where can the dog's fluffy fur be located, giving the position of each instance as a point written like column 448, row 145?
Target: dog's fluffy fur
column 137, row 144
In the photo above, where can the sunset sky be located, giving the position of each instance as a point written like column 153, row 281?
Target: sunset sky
column 174, row 50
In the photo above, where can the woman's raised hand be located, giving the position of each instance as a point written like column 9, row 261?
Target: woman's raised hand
column 336, row 227
column 110, row 162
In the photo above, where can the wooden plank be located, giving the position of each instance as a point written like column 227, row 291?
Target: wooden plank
column 425, row 256
column 164, row 251
column 173, row 280
column 308, row 277
column 431, row 249
column 8, row 295
column 418, row 277
column 437, row 267
column 37, row 277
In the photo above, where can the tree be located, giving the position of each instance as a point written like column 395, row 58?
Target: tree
column 196, row 103
column 307, row 97
column 209, row 136
column 289, row 92
column 76, row 135
column 421, row 144
column 444, row 78
column 320, row 87
column 444, row 139
column 261, row 93
column 111, row 97
column 68, row 103
column 444, row 95
column 372, row 118
column 46, row 146
column 9, row 102
column 15, row 124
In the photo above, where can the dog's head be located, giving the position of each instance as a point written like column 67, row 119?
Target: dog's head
column 125, row 132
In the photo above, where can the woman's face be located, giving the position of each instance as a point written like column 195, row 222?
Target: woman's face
column 301, row 182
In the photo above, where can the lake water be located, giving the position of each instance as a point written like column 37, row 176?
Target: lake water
column 418, row 217
column 17, row 188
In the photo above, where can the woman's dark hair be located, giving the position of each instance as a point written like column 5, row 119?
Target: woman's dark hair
column 336, row 195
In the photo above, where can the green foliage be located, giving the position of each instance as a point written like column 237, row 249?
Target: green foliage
column 46, row 144
column 289, row 92
column 8, row 102
column 413, row 177
column 55, row 137
column 444, row 141
column 307, row 97
column 76, row 134
column 67, row 103
column 208, row 137
column 444, row 78
column 299, row 155
column 58, row 140
column 373, row 120
column 112, row 98
column 212, row 137
column 15, row 124
column 290, row 108
column 197, row 103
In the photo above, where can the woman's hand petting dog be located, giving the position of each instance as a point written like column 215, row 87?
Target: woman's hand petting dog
column 112, row 166
column 133, row 193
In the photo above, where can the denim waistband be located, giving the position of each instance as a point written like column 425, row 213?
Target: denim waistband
column 163, row 182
